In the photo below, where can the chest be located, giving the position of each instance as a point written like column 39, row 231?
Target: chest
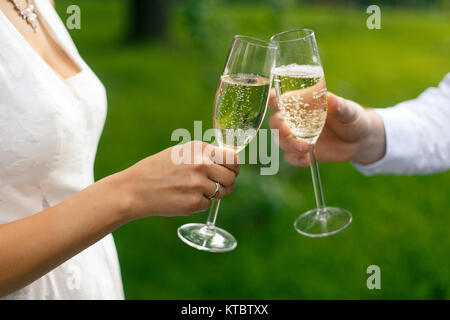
column 42, row 42
column 47, row 124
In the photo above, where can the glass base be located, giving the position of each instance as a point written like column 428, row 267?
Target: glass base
column 323, row 222
column 201, row 237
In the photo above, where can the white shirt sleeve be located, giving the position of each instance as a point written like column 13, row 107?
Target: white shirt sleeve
column 417, row 134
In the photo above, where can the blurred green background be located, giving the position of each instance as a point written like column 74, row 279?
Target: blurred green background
column 400, row 223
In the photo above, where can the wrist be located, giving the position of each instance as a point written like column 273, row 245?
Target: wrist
column 373, row 147
column 117, row 191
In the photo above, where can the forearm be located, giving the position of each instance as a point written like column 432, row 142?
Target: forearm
column 373, row 147
column 31, row 247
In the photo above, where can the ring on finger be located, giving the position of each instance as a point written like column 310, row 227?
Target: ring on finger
column 216, row 192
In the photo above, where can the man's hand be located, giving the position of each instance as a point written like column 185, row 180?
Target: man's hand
column 351, row 133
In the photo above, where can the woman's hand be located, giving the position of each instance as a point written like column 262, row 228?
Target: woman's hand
column 158, row 186
column 351, row 133
column 153, row 186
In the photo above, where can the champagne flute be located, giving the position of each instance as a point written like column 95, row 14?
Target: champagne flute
column 302, row 99
column 239, row 109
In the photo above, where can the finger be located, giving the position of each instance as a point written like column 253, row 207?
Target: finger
column 226, row 158
column 287, row 141
column 276, row 122
column 197, row 203
column 195, row 150
column 209, row 188
column 296, row 159
column 217, row 194
column 273, row 103
column 222, row 175
column 344, row 110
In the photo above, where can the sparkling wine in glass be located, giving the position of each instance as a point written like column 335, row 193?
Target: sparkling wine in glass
column 239, row 109
column 302, row 99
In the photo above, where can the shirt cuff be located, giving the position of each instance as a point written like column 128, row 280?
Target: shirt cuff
column 397, row 149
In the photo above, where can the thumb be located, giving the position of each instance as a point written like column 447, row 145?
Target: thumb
column 341, row 109
column 273, row 104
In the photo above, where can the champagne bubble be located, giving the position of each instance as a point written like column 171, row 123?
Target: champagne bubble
column 240, row 105
column 302, row 99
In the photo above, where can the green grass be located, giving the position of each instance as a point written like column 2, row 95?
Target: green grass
column 400, row 223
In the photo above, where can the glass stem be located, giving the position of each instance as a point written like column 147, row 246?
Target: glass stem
column 320, row 202
column 213, row 210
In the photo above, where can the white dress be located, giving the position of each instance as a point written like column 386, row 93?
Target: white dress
column 49, row 132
